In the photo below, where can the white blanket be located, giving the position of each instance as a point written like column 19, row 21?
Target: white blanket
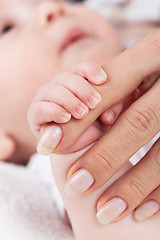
column 129, row 11
column 27, row 209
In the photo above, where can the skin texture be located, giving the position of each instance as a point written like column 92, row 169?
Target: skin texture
column 30, row 55
column 61, row 95
column 34, row 43
column 136, row 127
column 82, row 210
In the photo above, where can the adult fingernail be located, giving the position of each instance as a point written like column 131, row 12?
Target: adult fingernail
column 111, row 210
column 146, row 210
column 100, row 76
column 79, row 183
column 49, row 139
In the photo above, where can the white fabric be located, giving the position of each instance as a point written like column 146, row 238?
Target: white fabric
column 27, row 209
column 131, row 11
column 128, row 14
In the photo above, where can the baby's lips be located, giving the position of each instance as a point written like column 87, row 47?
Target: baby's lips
column 49, row 139
column 75, row 34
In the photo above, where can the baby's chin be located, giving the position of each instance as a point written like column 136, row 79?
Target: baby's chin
column 87, row 50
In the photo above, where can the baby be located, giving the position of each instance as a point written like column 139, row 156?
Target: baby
column 38, row 40
column 47, row 37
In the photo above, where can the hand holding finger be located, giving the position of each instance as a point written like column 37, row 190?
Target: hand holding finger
column 122, row 80
column 91, row 71
column 69, row 93
column 134, row 128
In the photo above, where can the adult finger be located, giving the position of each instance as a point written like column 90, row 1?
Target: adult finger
column 123, row 78
column 134, row 128
column 97, row 129
column 132, row 188
column 149, row 207
column 148, row 83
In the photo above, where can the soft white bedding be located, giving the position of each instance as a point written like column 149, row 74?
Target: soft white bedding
column 129, row 11
column 27, row 208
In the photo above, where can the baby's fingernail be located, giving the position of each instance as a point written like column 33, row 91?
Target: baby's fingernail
column 81, row 110
column 111, row 210
column 49, row 139
column 146, row 210
column 94, row 100
column 79, row 183
column 66, row 116
column 100, row 76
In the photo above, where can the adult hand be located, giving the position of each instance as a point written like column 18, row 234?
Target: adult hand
column 123, row 79
column 137, row 66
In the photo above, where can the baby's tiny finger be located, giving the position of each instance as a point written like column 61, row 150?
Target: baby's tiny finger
column 82, row 89
column 52, row 112
column 46, row 112
column 60, row 94
column 149, row 207
column 91, row 71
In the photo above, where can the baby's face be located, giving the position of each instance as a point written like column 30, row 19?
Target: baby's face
column 39, row 38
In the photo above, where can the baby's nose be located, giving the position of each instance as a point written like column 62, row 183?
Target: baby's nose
column 48, row 12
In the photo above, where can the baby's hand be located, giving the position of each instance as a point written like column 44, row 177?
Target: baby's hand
column 68, row 94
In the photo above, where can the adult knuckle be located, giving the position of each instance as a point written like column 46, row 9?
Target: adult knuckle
column 155, row 157
column 141, row 120
column 156, row 163
column 105, row 158
column 138, row 189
